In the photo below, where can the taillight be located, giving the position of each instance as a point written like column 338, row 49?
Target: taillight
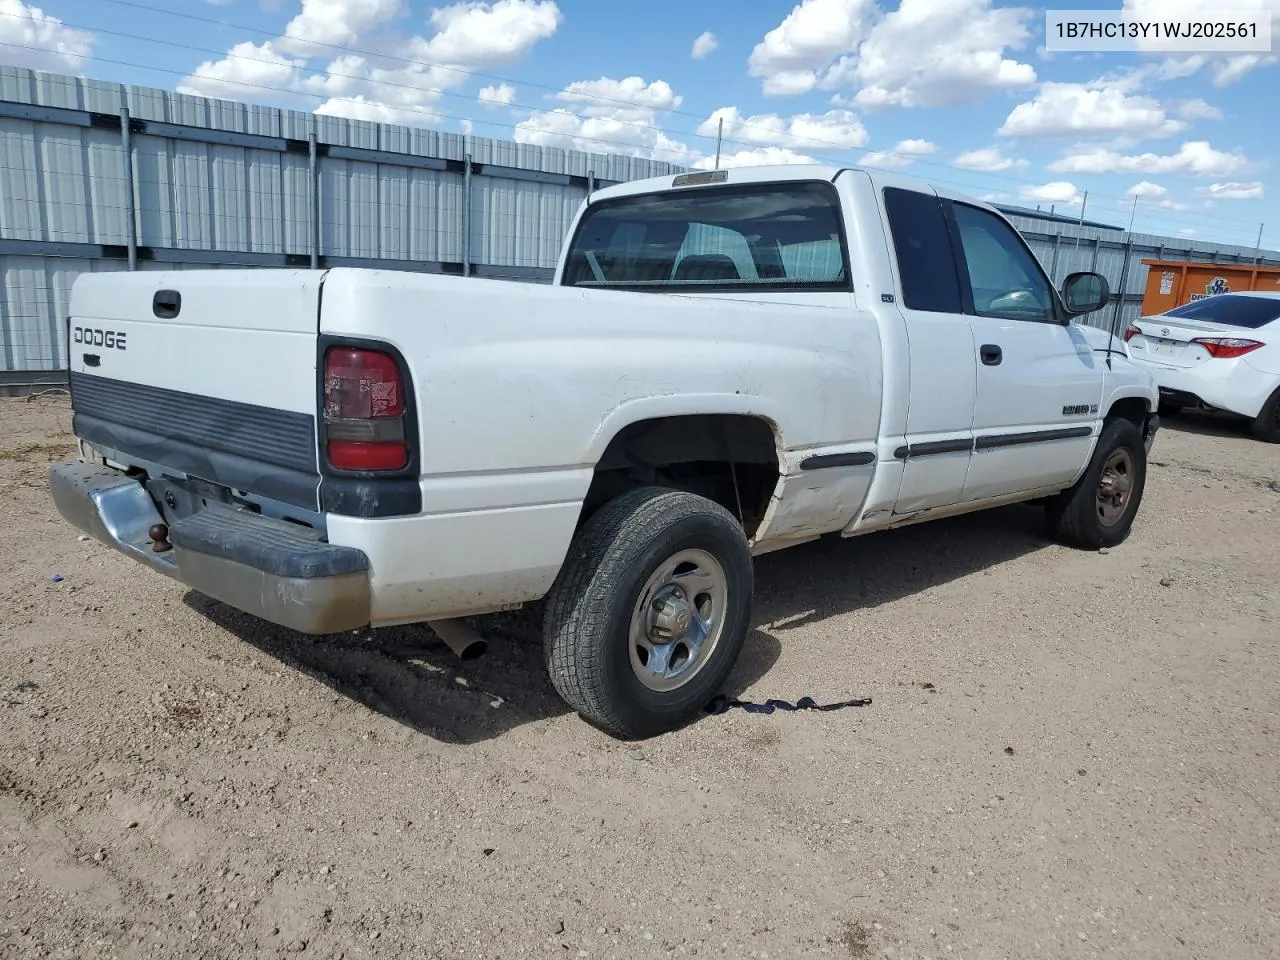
column 1131, row 332
column 1227, row 348
column 364, row 407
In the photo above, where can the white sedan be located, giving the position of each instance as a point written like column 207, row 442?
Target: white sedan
column 1220, row 352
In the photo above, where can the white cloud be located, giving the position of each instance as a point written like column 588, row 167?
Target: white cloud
column 995, row 197
column 808, row 40
column 334, row 23
column 704, row 46
column 1058, row 192
column 1195, row 158
column 250, row 71
column 358, row 108
column 1198, row 109
column 619, row 116
column 1186, row 232
column 987, row 160
column 1227, row 68
column 1145, row 188
column 938, row 53
column 926, row 53
column 612, row 98
column 903, row 154
column 757, row 157
column 1235, row 68
column 835, row 129
column 1081, row 109
column 600, row 134
column 1233, row 191
column 486, row 34
column 1154, row 195
column 497, row 96
column 401, row 79
column 55, row 47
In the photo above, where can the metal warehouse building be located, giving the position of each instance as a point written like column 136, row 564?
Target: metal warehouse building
column 99, row 176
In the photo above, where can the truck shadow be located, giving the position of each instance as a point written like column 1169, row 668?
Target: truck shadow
column 409, row 675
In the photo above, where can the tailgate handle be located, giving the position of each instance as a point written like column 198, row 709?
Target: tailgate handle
column 166, row 304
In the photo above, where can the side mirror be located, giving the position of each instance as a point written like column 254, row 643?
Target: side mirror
column 1085, row 292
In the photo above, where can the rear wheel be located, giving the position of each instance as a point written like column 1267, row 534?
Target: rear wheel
column 650, row 611
column 1266, row 425
column 1100, row 509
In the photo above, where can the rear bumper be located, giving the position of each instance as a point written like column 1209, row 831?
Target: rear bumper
column 1231, row 385
column 280, row 572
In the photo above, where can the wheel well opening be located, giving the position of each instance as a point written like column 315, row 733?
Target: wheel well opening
column 728, row 458
column 1133, row 409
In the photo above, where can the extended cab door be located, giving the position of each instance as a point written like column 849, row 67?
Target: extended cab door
column 1039, row 381
column 941, row 354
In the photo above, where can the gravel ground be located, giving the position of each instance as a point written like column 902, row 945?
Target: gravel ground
column 1067, row 755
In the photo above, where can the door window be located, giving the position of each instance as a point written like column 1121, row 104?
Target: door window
column 926, row 262
column 1004, row 276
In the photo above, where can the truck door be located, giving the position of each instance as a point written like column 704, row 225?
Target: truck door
column 1039, row 381
column 941, row 356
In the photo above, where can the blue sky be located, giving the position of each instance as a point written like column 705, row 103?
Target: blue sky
column 958, row 91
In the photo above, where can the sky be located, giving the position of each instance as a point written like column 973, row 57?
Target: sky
column 959, row 92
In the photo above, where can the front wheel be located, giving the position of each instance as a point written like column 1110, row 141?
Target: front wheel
column 650, row 611
column 1100, row 509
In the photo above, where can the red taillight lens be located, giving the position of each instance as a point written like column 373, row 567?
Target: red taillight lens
column 1227, row 348
column 364, row 406
column 368, row 455
column 1131, row 332
column 361, row 385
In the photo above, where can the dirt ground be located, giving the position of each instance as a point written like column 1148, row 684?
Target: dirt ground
column 1067, row 755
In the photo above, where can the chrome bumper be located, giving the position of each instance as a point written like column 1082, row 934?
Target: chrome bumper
column 277, row 571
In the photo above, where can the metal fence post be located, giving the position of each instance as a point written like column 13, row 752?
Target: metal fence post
column 130, row 188
column 466, row 215
column 313, row 157
column 591, row 183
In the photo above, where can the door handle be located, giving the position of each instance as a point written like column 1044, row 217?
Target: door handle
column 991, row 354
column 166, row 304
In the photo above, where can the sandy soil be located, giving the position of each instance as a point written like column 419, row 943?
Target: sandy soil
column 1068, row 755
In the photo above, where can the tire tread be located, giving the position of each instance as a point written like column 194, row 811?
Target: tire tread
column 598, row 558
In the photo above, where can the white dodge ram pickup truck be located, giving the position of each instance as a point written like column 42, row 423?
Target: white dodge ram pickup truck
column 726, row 363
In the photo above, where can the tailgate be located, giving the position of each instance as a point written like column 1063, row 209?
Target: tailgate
column 208, row 373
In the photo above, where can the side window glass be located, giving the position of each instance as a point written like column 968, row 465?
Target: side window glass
column 1005, row 279
column 922, row 243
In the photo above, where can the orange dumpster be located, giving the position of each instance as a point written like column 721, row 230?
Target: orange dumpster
column 1171, row 283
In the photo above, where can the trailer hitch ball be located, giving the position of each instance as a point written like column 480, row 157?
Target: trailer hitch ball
column 159, row 535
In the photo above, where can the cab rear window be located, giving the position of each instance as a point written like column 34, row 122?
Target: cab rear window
column 759, row 236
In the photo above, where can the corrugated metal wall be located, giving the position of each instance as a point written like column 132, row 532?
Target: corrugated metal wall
column 98, row 176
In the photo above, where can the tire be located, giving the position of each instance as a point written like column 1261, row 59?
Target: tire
column 1266, row 425
column 1078, row 516
column 599, row 636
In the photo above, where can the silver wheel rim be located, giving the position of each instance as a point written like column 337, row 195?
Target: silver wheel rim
column 1115, row 487
column 678, row 620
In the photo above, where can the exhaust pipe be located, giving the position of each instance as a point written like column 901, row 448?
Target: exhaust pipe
column 460, row 638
